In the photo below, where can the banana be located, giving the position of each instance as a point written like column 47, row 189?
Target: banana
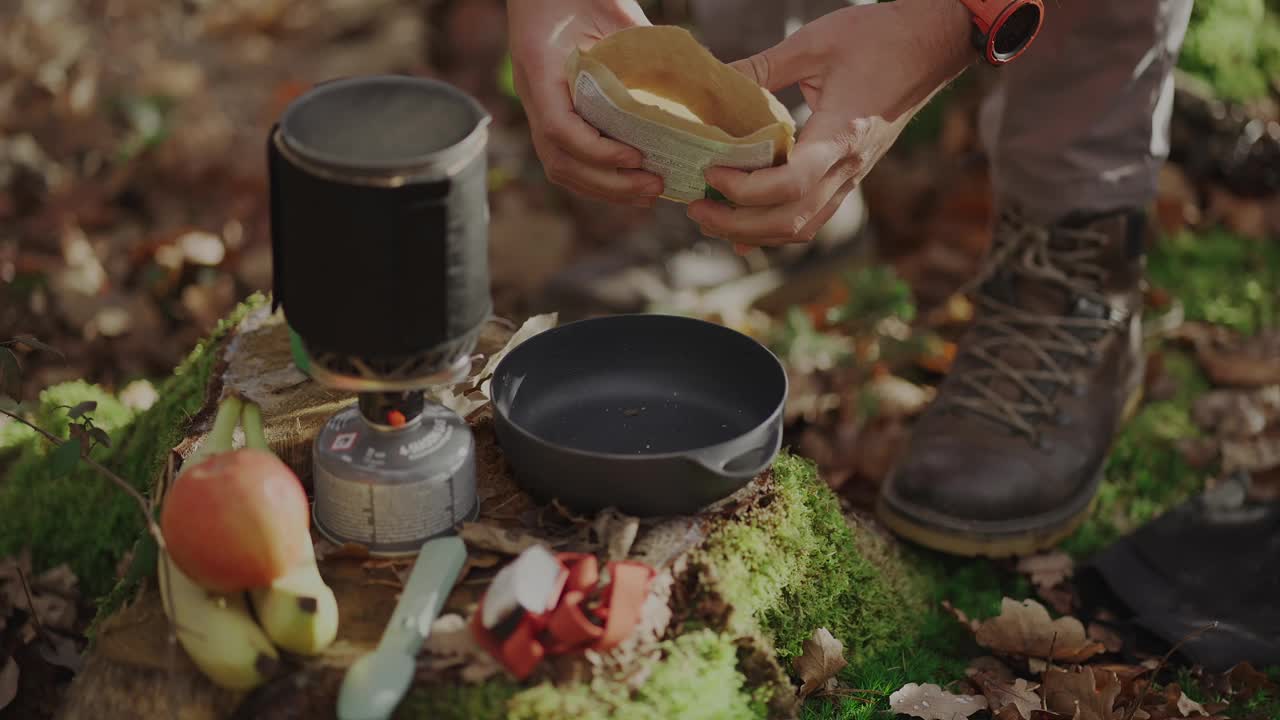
column 217, row 631
column 298, row 611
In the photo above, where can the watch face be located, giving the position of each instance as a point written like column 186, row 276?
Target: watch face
column 1017, row 31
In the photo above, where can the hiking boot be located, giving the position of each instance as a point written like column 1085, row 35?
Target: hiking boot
column 1008, row 458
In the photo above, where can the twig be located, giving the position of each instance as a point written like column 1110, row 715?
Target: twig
column 173, row 620
column 31, row 605
column 1047, row 667
column 143, row 503
column 1160, row 666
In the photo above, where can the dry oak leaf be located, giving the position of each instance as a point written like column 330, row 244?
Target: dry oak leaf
column 1189, row 707
column 1255, row 454
column 930, row 702
column 1020, row 695
column 503, row 540
column 1105, row 635
column 1237, row 413
column 1025, row 629
column 1048, row 569
column 1243, row 681
column 8, row 682
column 822, row 658
column 989, row 669
column 1230, row 358
column 1082, row 694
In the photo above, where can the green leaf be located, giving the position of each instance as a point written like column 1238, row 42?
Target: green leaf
column 35, row 344
column 10, row 373
column 64, row 459
column 79, row 410
column 101, row 436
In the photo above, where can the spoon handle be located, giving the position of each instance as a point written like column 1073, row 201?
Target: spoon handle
column 434, row 572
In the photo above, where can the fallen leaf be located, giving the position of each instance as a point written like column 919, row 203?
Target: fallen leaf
column 616, row 532
column 1199, row 452
column 1258, row 453
column 878, row 446
column 483, row 559
column 822, row 658
column 895, row 397
column 1048, row 569
column 326, row 550
column 1237, row 413
column 60, row 579
column 452, row 644
column 960, row 616
column 1189, row 707
column 201, row 248
column 1231, row 358
column 930, row 702
column 530, row 327
column 61, row 651
column 505, row 540
column 1242, row 215
column 461, row 403
column 1060, row 599
column 1244, row 681
column 35, row 344
column 1025, row 629
column 8, row 682
column 80, row 409
column 1106, row 636
column 1082, row 694
column 53, row 611
column 1264, row 486
column 1020, row 695
column 990, row 669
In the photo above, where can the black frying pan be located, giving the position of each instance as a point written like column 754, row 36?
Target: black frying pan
column 651, row 414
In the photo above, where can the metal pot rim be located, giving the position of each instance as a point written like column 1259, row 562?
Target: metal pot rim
column 500, row 412
column 425, row 167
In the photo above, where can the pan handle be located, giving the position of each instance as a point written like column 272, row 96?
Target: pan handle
column 743, row 465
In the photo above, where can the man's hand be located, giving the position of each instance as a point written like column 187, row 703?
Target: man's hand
column 573, row 153
column 865, row 71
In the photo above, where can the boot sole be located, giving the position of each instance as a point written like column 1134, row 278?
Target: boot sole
column 995, row 542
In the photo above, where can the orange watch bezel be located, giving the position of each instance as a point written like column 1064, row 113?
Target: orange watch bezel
column 989, row 16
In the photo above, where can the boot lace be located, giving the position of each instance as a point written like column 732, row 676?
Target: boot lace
column 1067, row 258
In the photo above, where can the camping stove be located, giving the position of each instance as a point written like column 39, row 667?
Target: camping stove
column 379, row 219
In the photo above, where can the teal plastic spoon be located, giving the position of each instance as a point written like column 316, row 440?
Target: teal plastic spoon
column 376, row 682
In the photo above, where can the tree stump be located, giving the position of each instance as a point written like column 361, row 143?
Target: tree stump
column 721, row 574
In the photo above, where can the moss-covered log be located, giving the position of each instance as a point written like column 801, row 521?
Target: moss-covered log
column 739, row 589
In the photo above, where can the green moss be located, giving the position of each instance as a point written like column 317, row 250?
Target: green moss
column 457, row 702
column 1235, row 46
column 697, row 678
column 795, row 565
column 1221, row 277
column 82, row 518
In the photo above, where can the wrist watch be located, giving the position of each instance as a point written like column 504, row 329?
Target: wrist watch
column 1003, row 29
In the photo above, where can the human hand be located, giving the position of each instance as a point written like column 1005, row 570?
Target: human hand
column 574, row 154
column 865, row 71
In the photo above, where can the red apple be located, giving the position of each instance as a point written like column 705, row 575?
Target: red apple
column 237, row 520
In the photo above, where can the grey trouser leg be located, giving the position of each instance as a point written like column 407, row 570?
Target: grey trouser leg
column 1081, row 121
column 735, row 29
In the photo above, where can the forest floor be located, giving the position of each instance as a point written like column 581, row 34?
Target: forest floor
column 133, row 217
